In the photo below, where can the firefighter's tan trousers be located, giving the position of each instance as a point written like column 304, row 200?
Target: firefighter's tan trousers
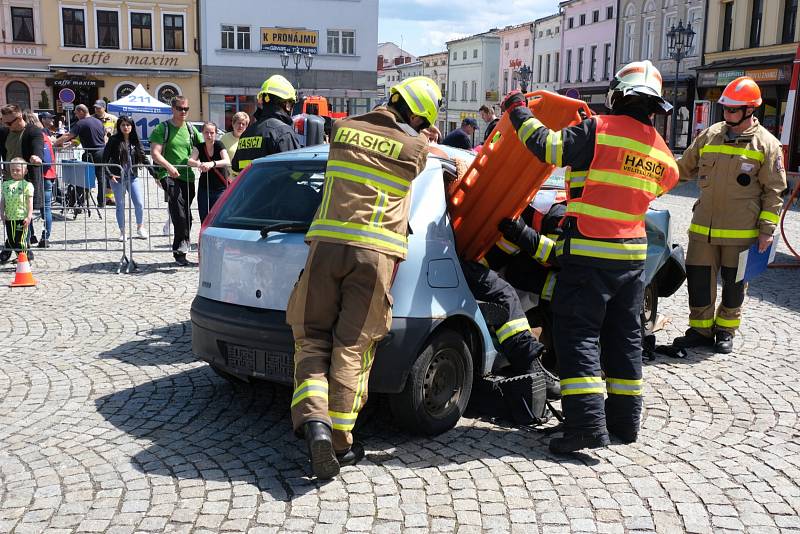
column 703, row 263
column 338, row 311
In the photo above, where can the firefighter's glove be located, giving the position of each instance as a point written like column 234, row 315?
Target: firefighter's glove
column 582, row 114
column 512, row 229
column 514, row 99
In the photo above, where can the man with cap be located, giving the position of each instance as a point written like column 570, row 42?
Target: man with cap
column 462, row 137
column 49, row 123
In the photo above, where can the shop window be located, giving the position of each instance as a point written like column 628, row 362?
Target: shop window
column 235, row 104
column 124, row 90
column 789, row 20
column 342, row 42
column 167, row 92
column 18, row 93
column 22, row 24
column 505, row 82
column 74, row 27
column 141, row 31
column 107, row 29
column 173, row 33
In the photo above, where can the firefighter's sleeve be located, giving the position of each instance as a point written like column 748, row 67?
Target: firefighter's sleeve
column 687, row 164
column 572, row 146
column 772, row 178
column 540, row 247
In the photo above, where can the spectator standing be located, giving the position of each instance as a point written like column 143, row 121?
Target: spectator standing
column 462, row 137
column 48, row 174
column 48, row 122
column 125, row 149
column 488, row 116
column 109, row 125
column 89, row 130
column 171, row 144
column 16, row 209
column 230, row 140
column 212, row 159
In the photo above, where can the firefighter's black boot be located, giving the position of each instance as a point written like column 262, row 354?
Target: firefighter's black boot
column 692, row 338
column 352, row 456
column 320, row 449
column 724, row 344
column 574, row 441
column 625, row 434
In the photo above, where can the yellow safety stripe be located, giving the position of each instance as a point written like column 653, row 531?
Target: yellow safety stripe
column 544, row 249
column 549, row 285
column 608, row 250
column 701, row 323
column 721, row 233
column 559, row 248
column 507, row 246
column 512, row 328
column 769, row 217
column 555, row 149
column 344, row 421
column 326, row 196
column 362, row 233
column 733, row 151
column 484, row 262
column 310, row 388
column 576, row 179
column 622, row 386
column 244, row 163
column 632, row 182
column 728, row 323
column 495, row 138
column 624, row 142
column 582, row 208
column 528, row 127
column 582, row 385
column 380, row 180
column 361, row 387
column 379, row 208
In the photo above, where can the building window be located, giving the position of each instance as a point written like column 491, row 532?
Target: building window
column 464, row 55
column 648, row 36
column 124, row 90
column 669, row 21
column 516, row 44
column 342, row 42
column 555, row 74
column 527, row 42
column 628, row 40
column 789, row 16
column 474, row 94
column 592, row 61
column 454, row 92
column 579, row 70
column 558, row 28
column 570, row 23
column 505, row 82
column 475, row 53
column 22, row 24
column 607, row 62
column 507, row 45
column 235, row 104
column 167, row 92
column 596, row 15
column 539, row 70
column 243, row 37
column 18, row 93
column 235, row 37
column 568, row 79
column 455, row 55
column 463, row 91
column 228, row 37
column 727, row 26
column 107, row 29
column 141, row 31
column 755, row 24
column 173, row 33
column 583, row 20
column 547, row 69
column 610, row 12
column 540, row 34
column 74, row 26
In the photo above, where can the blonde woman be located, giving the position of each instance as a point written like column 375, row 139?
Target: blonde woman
column 230, row 140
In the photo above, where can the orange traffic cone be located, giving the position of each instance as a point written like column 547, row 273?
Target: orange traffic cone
column 24, row 277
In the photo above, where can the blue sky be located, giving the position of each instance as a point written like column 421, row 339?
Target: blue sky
column 424, row 26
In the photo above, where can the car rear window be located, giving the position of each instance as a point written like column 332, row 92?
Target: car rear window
column 274, row 192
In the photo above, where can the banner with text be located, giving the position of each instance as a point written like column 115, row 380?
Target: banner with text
column 289, row 40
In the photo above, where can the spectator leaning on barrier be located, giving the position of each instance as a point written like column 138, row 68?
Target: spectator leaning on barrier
column 89, row 130
column 125, row 150
column 462, row 137
column 739, row 167
column 230, row 140
column 171, row 144
column 213, row 161
column 16, row 209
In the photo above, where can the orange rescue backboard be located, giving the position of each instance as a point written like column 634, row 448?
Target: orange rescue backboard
column 505, row 176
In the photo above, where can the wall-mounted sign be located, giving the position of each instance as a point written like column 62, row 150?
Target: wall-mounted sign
column 73, row 82
column 514, row 63
column 289, row 40
column 777, row 74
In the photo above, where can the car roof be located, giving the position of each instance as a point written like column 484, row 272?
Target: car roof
column 321, row 151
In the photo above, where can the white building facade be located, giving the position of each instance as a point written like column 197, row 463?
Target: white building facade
column 473, row 77
column 546, row 53
column 242, row 44
column 434, row 66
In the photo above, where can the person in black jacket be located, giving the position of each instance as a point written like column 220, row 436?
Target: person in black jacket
column 272, row 132
column 491, row 120
column 462, row 137
column 125, row 150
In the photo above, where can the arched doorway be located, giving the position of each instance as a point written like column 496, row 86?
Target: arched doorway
column 19, row 94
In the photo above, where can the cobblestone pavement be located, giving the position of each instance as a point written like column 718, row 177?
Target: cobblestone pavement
column 108, row 424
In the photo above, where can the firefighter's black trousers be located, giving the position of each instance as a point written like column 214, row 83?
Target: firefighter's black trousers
column 596, row 330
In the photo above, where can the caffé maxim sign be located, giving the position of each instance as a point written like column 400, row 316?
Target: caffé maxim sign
column 136, row 60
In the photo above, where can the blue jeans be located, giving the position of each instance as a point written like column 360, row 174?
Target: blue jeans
column 47, row 211
column 133, row 185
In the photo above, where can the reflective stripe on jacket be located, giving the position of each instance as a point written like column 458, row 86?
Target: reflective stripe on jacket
column 740, row 179
column 372, row 162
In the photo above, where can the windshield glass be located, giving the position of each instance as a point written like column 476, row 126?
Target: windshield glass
column 274, row 192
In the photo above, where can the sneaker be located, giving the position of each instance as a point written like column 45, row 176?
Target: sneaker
column 724, row 342
column 5, row 256
column 110, row 202
column 141, row 233
column 181, row 260
column 573, row 442
column 121, row 235
column 692, row 338
column 44, row 243
column 34, row 239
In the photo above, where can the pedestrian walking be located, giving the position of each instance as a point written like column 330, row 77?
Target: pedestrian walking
column 739, row 167
column 16, row 209
column 239, row 122
column 598, row 298
column 125, row 151
column 211, row 158
column 171, row 144
column 340, row 307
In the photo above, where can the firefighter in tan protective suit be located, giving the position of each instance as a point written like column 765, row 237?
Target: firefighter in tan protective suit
column 341, row 307
column 739, row 168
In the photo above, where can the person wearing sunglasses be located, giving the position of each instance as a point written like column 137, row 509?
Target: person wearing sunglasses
column 739, row 167
column 171, row 145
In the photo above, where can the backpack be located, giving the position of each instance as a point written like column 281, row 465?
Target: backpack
column 189, row 128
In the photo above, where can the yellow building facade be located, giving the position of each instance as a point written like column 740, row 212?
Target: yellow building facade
column 99, row 49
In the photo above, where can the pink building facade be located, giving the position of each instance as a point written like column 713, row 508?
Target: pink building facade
column 516, row 51
column 589, row 29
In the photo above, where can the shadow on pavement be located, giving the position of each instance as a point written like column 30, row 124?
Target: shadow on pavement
column 167, row 345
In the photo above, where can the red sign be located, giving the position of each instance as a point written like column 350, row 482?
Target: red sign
column 514, row 63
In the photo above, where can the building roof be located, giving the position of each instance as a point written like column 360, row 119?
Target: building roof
column 491, row 33
column 514, row 27
column 548, row 17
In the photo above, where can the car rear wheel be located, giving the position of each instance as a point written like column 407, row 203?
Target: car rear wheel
column 438, row 387
column 650, row 308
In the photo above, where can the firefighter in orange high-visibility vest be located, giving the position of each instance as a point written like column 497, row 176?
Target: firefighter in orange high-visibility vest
column 618, row 165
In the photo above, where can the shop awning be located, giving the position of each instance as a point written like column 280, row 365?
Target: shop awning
column 769, row 70
column 755, row 61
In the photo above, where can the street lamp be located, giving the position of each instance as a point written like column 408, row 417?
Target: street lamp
column 297, row 57
column 524, row 77
column 680, row 43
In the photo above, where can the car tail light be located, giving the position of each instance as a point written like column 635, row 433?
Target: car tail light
column 209, row 220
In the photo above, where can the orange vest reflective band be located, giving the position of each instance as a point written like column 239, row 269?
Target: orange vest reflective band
column 632, row 165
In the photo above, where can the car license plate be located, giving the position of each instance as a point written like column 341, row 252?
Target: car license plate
column 242, row 358
column 279, row 366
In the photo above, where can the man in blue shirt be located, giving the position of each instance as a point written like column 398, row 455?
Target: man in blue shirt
column 462, row 137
